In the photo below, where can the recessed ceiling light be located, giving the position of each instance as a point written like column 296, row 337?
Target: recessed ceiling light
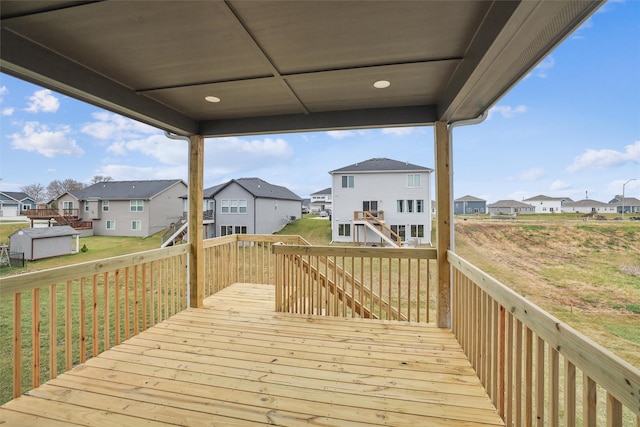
column 381, row 84
column 212, row 98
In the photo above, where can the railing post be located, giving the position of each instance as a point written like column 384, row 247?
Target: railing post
column 444, row 222
column 196, row 255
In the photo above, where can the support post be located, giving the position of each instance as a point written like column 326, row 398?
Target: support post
column 444, row 221
column 196, row 255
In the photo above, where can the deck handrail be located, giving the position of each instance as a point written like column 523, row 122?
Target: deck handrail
column 347, row 281
column 506, row 338
column 78, row 311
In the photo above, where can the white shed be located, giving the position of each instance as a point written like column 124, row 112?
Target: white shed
column 38, row 243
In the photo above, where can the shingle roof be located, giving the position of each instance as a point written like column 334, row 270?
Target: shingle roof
column 509, row 204
column 43, row 232
column 124, row 190
column 257, row 187
column 325, row 191
column 542, row 197
column 628, row 201
column 586, row 203
column 15, row 195
column 382, row 165
column 468, row 198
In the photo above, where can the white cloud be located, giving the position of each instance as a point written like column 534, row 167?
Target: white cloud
column 542, row 69
column 559, row 185
column 605, row 158
column 532, row 174
column 3, row 90
column 43, row 101
column 507, row 111
column 631, row 189
column 166, row 151
column 109, row 126
column 38, row 138
column 341, row 134
column 398, row 131
column 8, row 111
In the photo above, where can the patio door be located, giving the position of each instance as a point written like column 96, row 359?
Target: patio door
column 371, row 206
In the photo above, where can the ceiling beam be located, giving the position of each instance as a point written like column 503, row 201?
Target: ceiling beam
column 423, row 115
column 26, row 60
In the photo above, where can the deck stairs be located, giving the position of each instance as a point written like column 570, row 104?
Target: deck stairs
column 375, row 224
column 179, row 231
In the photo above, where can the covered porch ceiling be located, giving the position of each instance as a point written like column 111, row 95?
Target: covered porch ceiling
column 283, row 66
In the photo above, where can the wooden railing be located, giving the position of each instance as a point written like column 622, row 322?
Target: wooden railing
column 376, row 283
column 362, row 215
column 51, row 213
column 535, row 367
column 63, row 316
column 243, row 258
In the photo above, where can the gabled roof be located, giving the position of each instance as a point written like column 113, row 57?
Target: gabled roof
column 468, row 198
column 325, row 191
column 509, row 204
column 586, row 203
column 381, row 165
column 628, row 201
column 283, row 66
column 18, row 196
column 541, row 198
column 125, row 190
column 44, row 232
column 256, row 187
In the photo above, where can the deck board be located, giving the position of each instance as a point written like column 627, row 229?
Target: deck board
column 235, row 362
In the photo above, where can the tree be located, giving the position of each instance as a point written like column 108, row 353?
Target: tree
column 99, row 178
column 35, row 191
column 57, row 187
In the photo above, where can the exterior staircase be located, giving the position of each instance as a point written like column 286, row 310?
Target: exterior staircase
column 375, row 222
column 175, row 234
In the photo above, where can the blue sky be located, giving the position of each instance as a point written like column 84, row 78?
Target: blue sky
column 570, row 127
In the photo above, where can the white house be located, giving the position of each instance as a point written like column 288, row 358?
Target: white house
column 545, row 204
column 321, row 200
column 589, row 206
column 381, row 201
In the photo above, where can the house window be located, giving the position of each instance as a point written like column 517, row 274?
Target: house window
column 224, row 207
column 242, row 206
column 233, row 206
column 417, row 230
column 347, row 181
column 105, row 206
column 344, row 230
column 136, row 206
column 136, row 225
column 86, row 206
column 240, row 229
column 409, row 205
column 111, row 224
column 399, row 230
column 413, row 180
column 26, row 207
column 420, row 206
column 226, row 230
column 400, row 206
column 67, row 205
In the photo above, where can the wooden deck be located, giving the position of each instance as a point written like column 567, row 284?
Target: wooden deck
column 236, row 362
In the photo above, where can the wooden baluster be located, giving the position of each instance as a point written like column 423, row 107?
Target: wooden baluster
column 68, row 335
column 589, row 402
column 83, row 322
column 540, row 369
column 94, row 317
column 569, row 394
column 614, row 411
column 35, row 338
column 554, row 387
column 53, row 326
column 17, row 344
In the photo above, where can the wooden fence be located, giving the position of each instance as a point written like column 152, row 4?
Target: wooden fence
column 536, row 369
column 63, row 316
column 378, row 283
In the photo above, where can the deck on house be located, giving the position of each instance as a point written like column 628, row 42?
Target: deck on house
column 236, row 362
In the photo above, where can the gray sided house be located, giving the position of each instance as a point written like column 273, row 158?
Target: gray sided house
column 127, row 208
column 251, row 206
column 45, row 242
column 509, row 207
column 321, row 200
column 630, row 205
column 469, row 205
column 587, row 206
column 14, row 203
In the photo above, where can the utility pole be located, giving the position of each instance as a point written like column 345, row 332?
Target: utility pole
column 632, row 179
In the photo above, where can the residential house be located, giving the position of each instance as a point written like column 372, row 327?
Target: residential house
column 250, row 206
column 469, row 205
column 510, row 207
column 546, row 204
column 14, row 203
column 631, row 204
column 381, row 201
column 321, row 200
column 586, row 206
column 46, row 242
column 126, row 208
